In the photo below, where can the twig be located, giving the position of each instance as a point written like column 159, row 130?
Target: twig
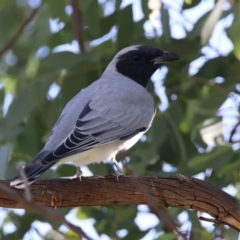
column 78, row 25
column 36, row 230
column 13, row 194
column 215, row 221
column 233, row 132
column 19, row 32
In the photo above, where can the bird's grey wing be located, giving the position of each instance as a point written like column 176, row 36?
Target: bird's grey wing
column 99, row 124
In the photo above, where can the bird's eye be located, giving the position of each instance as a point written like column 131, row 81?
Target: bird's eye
column 136, row 58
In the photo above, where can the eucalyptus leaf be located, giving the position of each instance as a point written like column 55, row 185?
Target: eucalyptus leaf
column 4, row 155
column 233, row 32
column 215, row 159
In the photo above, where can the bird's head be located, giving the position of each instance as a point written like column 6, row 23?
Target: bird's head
column 140, row 62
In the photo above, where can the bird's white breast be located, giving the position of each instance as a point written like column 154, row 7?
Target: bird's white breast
column 105, row 152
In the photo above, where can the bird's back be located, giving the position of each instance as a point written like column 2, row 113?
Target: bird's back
column 112, row 91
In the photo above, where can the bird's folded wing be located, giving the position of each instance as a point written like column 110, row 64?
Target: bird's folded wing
column 96, row 127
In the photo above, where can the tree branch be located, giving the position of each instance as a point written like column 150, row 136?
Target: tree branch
column 179, row 192
column 19, row 32
column 27, row 204
column 78, row 25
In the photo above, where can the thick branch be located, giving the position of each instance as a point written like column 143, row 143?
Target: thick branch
column 179, row 192
column 48, row 212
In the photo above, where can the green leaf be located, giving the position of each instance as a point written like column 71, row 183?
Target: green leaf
column 57, row 9
column 4, row 154
column 231, row 168
column 219, row 66
column 8, row 24
column 40, row 30
column 181, row 47
column 38, row 91
column 91, row 15
column 135, row 233
column 9, row 84
column 71, row 235
column 3, row 3
column 29, row 141
column 165, row 23
column 18, row 111
column 168, row 140
column 145, row 8
column 190, row 3
column 195, row 32
column 126, row 29
column 211, row 98
column 216, row 159
column 178, row 138
column 159, row 131
column 233, row 31
column 106, row 23
column 166, row 236
column 101, row 169
column 142, row 154
column 81, row 214
column 66, row 170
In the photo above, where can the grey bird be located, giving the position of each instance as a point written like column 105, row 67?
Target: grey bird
column 107, row 117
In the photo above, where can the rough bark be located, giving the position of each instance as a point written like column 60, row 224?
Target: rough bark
column 179, row 192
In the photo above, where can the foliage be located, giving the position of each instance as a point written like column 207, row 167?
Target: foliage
column 190, row 136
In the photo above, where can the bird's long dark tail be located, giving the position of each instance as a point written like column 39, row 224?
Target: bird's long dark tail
column 32, row 171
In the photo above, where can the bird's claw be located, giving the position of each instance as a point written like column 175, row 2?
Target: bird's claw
column 118, row 174
column 119, row 171
column 79, row 173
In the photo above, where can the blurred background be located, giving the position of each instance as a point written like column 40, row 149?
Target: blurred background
column 51, row 49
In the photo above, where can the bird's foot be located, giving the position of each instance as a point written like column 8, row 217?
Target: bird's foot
column 119, row 173
column 79, row 173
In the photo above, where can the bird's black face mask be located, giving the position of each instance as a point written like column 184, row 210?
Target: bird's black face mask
column 140, row 64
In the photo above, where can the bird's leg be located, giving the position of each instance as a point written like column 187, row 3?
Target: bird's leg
column 79, row 173
column 119, row 171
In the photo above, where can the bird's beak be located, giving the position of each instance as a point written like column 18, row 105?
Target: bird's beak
column 165, row 58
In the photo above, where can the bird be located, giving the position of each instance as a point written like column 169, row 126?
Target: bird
column 107, row 117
